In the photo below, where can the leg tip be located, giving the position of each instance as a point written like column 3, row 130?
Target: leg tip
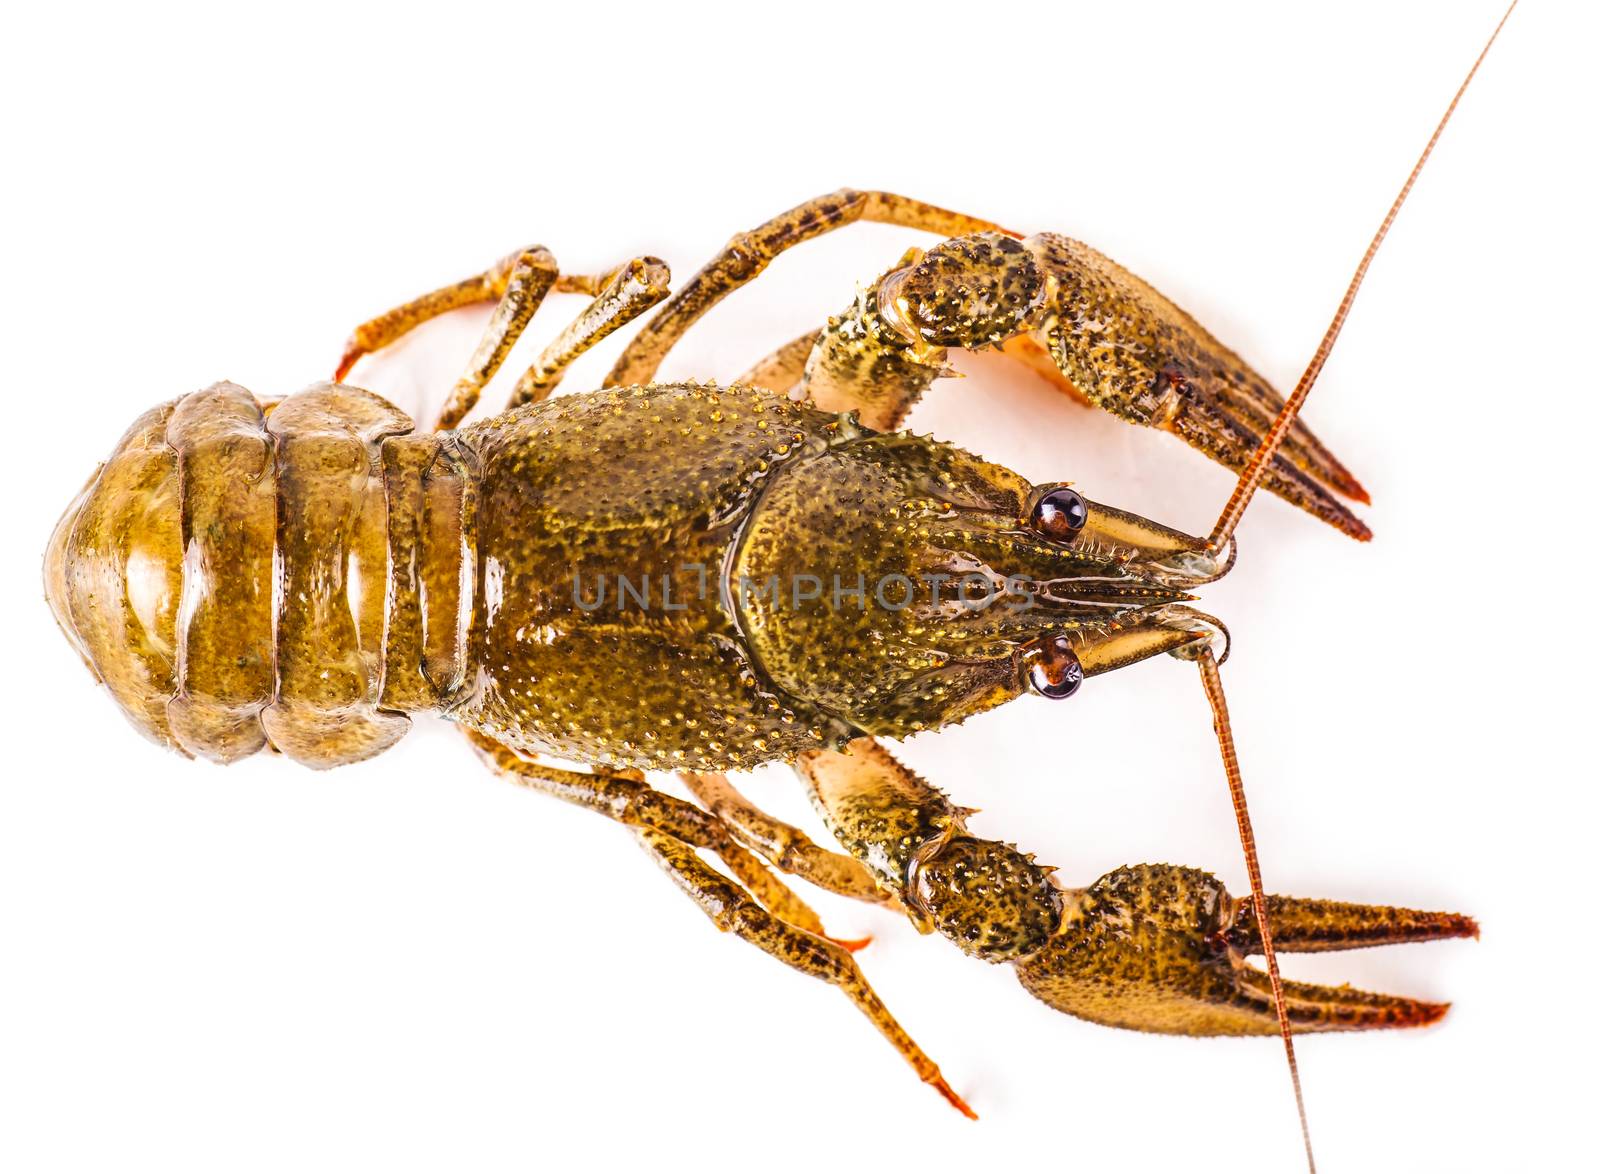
column 1422, row 1014
column 352, row 352
column 853, row 945
column 950, row 1095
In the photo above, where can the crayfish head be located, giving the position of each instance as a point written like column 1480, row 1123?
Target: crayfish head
column 900, row 585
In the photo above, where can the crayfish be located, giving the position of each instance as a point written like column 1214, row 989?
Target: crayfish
column 697, row 578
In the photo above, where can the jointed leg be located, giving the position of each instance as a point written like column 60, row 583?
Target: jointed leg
column 880, row 355
column 863, row 363
column 532, row 275
column 976, row 291
column 518, row 283
column 858, row 363
column 783, row 846
column 733, row 911
column 748, row 253
column 629, row 292
column 628, row 799
column 1092, row 329
column 782, row 369
column 1150, row 947
column 481, row 288
column 671, row 830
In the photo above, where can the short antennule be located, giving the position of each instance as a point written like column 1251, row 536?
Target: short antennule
column 1250, row 479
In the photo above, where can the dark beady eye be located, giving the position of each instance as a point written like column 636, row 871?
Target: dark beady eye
column 1060, row 514
column 1054, row 670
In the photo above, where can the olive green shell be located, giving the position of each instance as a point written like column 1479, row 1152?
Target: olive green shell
column 603, row 629
column 659, row 577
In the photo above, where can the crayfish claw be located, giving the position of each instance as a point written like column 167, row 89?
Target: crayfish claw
column 1314, row 1007
column 1122, row 345
column 1160, row 948
column 1305, row 925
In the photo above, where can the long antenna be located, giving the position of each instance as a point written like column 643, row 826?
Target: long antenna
column 1250, row 479
column 1252, row 867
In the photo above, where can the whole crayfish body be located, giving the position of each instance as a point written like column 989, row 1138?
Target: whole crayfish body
column 694, row 578
column 670, row 576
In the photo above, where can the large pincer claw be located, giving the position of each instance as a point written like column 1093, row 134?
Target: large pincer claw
column 1160, row 948
column 1125, row 347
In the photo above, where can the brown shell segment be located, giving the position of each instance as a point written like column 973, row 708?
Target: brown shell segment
column 113, row 574
column 228, row 490
column 428, row 487
column 332, row 550
column 405, row 462
column 448, row 564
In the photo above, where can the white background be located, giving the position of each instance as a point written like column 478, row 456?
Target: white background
column 409, row 965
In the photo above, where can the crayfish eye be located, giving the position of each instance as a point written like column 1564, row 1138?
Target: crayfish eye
column 1054, row 670
column 1060, row 514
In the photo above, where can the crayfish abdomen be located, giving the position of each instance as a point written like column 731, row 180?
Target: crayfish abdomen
column 240, row 574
